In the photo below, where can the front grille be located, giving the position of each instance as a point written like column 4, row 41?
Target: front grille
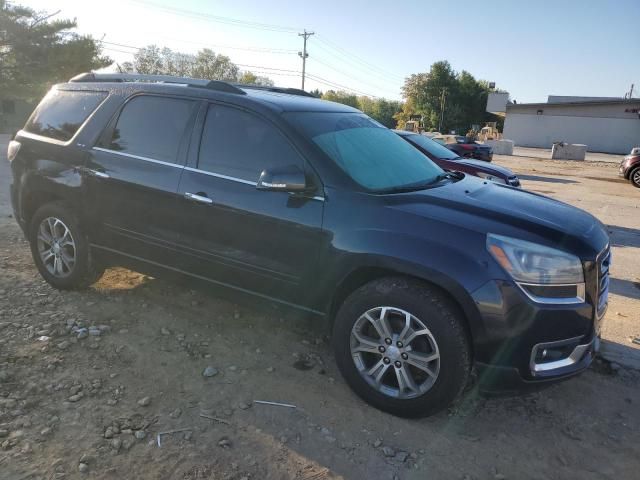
column 604, row 263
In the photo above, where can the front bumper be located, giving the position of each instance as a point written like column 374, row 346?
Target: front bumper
column 522, row 343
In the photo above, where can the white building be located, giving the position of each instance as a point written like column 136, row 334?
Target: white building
column 609, row 125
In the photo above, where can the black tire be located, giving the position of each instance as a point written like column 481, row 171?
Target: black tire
column 437, row 313
column 85, row 271
column 632, row 174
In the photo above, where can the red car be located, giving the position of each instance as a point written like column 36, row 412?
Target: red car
column 630, row 168
column 450, row 160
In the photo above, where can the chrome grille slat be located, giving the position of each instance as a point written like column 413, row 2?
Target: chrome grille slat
column 603, row 281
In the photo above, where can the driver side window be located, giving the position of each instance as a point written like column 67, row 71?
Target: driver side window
column 238, row 144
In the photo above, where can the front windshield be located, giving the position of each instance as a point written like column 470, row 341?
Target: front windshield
column 434, row 148
column 372, row 155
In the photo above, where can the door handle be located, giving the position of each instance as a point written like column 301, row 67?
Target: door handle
column 198, row 198
column 96, row 173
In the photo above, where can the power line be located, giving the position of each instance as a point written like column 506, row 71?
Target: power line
column 263, row 70
column 348, row 58
column 351, row 57
column 251, row 49
column 263, row 67
column 346, row 75
column 217, row 18
column 329, row 83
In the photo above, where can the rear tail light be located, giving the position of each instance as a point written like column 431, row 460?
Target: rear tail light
column 468, row 147
column 12, row 151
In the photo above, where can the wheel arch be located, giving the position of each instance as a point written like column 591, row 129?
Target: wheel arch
column 454, row 292
column 33, row 200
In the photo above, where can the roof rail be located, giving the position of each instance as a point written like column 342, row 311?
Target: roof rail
column 135, row 77
column 290, row 91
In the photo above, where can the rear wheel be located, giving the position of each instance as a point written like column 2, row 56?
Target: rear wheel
column 60, row 248
column 402, row 347
column 634, row 177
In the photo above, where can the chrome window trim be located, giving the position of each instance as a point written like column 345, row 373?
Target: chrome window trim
column 190, row 169
column 579, row 298
column 138, row 157
column 236, row 179
column 42, row 138
column 219, row 175
column 55, row 141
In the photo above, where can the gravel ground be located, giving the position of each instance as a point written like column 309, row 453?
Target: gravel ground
column 88, row 380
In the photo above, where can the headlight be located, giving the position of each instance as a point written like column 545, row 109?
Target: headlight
column 545, row 274
column 491, row 178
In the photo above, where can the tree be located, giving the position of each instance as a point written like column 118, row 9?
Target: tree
column 214, row 67
column 340, row 96
column 253, row 79
column 380, row 109
column 465, row 98
column 206, row 64
column 37, row 52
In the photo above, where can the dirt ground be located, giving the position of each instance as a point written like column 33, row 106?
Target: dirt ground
column 78, row 404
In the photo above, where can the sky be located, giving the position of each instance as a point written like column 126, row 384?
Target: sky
column 531, row 49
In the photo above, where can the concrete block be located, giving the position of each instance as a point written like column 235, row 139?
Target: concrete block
column 501, row 147
column 568, row 151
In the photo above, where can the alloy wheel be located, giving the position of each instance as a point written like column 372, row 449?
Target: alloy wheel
column 56, row 247
column 394, row 352
column 636, row 177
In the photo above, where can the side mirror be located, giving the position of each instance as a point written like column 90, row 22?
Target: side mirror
column 285, row 179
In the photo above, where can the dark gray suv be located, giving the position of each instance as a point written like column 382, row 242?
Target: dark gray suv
column 421, row 275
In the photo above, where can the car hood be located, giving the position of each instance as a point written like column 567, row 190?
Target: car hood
column 484, row 167
column 486, row 207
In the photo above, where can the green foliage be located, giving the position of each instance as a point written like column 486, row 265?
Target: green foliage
column 37, row 52
column 253, row 79
column 206, row 63
column 340, row 96
column 465, row 98
column 379, row 109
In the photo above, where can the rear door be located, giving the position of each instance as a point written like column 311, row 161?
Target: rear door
column 133, row 174
column 263, row 241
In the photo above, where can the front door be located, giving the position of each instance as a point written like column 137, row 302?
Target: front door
column 133, row 174
column 261, row 241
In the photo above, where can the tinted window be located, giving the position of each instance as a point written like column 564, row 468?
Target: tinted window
column 241, row 145
column 369, row 153
column 152, row 127
column 434, row 148
column 61, row 113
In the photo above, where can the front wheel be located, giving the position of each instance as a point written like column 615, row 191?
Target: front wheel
column 634, row 177
column 402, row 347
column 60, row 248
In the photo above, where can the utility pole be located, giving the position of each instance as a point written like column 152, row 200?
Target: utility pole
column 303, row 54
column 443, row 94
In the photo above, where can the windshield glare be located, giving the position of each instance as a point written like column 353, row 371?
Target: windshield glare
column 434, row 148
column 372, row 155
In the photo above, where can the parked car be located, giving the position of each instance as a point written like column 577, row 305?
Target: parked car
column 630, row 168
column 465, row 147
column 451, row 161
column 421, row 275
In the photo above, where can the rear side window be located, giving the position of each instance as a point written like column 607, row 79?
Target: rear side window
column 240, row 145
column 151, row 127
column 61, row 113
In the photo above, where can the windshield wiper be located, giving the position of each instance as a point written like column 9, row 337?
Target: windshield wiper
column 453, row 175
column 408, row 188
column 423, row 185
